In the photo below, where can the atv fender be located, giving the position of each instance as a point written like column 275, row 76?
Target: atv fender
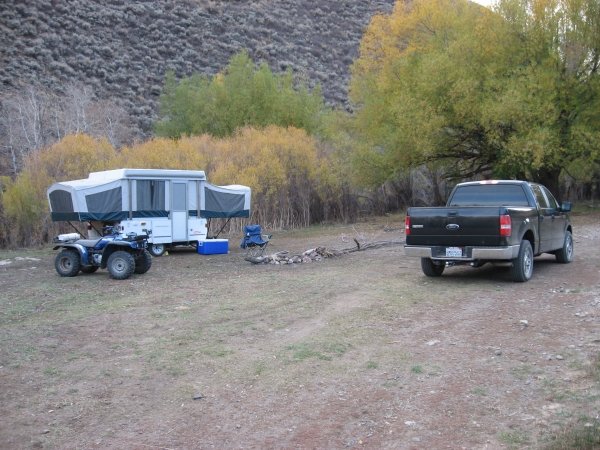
column 83, row 252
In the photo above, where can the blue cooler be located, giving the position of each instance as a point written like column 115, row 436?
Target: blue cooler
column 213, row 247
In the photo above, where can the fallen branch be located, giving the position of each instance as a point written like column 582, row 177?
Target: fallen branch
column 316, row 254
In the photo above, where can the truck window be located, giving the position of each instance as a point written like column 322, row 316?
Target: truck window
column 539, row 196
column 489, row 195
column 552, row 203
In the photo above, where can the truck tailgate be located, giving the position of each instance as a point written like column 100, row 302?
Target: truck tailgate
column 455, row 226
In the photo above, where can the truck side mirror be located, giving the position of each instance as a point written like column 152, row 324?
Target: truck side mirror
column 566, row 206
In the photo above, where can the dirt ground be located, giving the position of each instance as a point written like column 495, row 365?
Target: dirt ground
column 357, row 351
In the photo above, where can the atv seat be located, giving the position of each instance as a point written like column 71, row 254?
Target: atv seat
column 89, row 243
column 254, row 242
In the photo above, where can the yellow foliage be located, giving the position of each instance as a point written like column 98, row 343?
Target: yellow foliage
column 411, row 28
column 280, row 165
column 24, row 206
column 164, row 153
column 73, row 157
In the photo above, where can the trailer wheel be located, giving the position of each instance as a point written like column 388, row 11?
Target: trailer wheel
column 522, row 268
column 143, row 262
column 67, row 263
column 565, row 254
column 120, row 265
column 157, row 249
column 432, row 269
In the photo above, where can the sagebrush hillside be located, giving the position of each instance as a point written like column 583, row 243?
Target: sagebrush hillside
column 122, row 49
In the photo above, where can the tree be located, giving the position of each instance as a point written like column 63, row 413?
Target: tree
column 510, row 93
column 242, row 95
column 24, row 125
column 32, row 118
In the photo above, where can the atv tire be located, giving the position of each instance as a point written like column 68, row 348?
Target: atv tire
column 88, row 269
column 67, row 263
column 143, row 262
column 120, row 265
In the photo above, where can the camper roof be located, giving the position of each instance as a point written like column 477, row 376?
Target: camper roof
column 118, row 174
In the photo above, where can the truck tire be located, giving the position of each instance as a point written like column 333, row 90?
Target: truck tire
column 432, row 269
column 156, row 249
column 143, row 262
column 120, row 265
column 522, row 268
column 67, row 263
column 565, row 254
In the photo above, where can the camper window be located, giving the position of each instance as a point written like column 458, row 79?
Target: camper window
column 150, row 195
column 61, row 201
column 105, row 201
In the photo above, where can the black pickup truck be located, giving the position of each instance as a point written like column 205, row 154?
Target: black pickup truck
column 503, row 222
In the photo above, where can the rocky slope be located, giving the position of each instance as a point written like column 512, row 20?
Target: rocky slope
column 122, row 49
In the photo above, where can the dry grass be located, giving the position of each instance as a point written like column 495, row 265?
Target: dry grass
column 211, row 351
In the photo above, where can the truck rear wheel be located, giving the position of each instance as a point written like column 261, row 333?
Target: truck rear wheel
column 432, row 269
column 522, row 268
column 67, row 263
column 120, row 265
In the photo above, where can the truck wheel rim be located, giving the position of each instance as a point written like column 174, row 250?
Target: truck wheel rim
column 528, row 263
column 569, row 248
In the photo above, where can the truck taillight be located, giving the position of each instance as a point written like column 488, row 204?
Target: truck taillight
column 407, row 225
column 505, row 225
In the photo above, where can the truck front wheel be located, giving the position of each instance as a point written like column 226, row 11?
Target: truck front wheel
column 565, row 254
column 432, row 269
column 522, row 268
column 67, row 263
column 120, row 265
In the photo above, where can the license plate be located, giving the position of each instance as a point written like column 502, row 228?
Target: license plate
column 454, row 252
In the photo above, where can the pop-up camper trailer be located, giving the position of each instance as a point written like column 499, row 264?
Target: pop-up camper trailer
column 171, row 206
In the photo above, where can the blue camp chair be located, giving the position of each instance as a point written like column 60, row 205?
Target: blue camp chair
column 254, row 242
